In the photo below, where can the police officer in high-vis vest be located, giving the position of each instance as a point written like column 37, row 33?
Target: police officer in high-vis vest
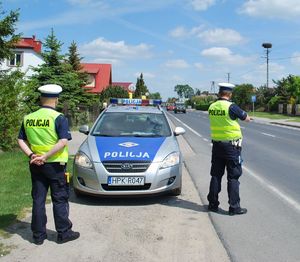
column 226, row 138
column 43, row 137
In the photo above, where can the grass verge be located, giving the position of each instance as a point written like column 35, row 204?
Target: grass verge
column 15, row 187
column 275, row 116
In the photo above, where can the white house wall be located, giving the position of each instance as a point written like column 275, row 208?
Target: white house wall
column 30, row 59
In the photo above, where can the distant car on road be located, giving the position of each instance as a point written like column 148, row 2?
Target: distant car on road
column 130, row 150
column 179, row 108
column 170, row 107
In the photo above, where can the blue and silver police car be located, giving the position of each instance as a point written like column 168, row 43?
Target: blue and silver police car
column 130, row 150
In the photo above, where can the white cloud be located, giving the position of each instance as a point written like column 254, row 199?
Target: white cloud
column 179, row 32
column 177, row 63
column 199, row 66
column 101, row 49
column 201, row 5
column 272, row 8
column 221, row 36
column 295, row 59
column 224, row 36
column 225, row 55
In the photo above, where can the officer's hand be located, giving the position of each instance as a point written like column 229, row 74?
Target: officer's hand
column 38, row 160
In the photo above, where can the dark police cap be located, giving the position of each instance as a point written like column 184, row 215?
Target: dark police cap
column 50, row 90
column 226, row 87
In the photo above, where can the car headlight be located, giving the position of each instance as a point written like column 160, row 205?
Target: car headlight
column 171, row 160
column 82, row 160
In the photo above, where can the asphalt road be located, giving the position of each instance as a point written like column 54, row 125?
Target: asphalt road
column 269, row 189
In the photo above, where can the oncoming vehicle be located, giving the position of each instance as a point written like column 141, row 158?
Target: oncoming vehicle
column 170, row 107
column 130, row 150
column 179, row 107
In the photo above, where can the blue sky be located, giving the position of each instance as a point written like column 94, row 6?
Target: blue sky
column 173, row 42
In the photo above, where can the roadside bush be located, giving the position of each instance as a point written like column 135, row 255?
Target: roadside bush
column 12, row 109
column 273, row 103
column 203, row 107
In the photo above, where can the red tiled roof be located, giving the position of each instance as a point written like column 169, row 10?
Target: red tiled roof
column 102, row 75
column 122, row 84
column 31, row 43
column 125, row 85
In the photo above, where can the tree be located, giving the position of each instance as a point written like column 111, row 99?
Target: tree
column 155, row 95
column 112, row 92
column 289, row 89
column 242, row 95
column 7, row 33
column 57, row 70
column 140, row 87
column 11, row 83
column 264, row 95
column 12, row 90
column 73, row 58
column 184, row 91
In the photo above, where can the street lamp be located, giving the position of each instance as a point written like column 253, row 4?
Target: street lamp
column 267, row 46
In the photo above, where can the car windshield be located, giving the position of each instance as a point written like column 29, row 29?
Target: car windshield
column 132, row 124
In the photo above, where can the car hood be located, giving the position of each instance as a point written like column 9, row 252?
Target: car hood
column 152, row 149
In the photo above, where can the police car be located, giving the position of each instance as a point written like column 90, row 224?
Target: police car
column 130, row 150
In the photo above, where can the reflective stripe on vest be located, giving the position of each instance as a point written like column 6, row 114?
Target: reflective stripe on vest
column 41, row 134
column 222, row 127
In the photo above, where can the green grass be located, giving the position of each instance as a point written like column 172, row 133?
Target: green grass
column 15, row 187
column 275, row 116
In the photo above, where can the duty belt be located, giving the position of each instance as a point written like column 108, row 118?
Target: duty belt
column 236, row 142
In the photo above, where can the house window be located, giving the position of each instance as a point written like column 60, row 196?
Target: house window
column 16, row 60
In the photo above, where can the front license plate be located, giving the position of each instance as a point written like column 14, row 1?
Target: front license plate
column 126, row 181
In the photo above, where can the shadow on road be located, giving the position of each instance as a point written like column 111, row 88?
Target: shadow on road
column 136, row 201
column 23, row 229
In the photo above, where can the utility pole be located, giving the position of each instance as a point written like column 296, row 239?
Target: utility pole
column 267, row 46
column 212, row 87
column 228, row 77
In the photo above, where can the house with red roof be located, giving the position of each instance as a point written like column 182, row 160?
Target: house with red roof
column 125, row 85
column 100, row 76
column 26, row 54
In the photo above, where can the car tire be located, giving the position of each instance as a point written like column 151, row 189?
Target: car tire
column 176, row 191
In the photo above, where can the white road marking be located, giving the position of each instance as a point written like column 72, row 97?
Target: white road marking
column 195, row 132
column 293, row 203
column 289, row 200
column 266, row 134
column 206, row 140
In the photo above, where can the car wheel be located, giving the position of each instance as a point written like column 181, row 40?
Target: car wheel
column 176, row 191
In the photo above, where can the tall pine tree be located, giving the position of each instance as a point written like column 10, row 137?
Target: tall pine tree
column 140, row 87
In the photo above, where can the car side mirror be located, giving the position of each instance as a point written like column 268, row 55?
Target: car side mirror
column 179, row 131
column 84, row 129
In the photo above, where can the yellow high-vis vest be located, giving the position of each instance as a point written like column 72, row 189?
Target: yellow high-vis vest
column 222, row 127
column 40, row 131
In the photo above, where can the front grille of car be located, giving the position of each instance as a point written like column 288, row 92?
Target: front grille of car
column 126, row 166
column 106, row 187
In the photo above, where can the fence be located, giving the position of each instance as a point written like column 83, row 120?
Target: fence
column 83, row 114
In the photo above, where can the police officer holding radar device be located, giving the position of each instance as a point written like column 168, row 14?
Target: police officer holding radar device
column 226, row 138
column 43, row 137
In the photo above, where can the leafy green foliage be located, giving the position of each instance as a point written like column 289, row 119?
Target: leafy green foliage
column 242, row 95
column 288, row 88
column 64, row 71
column 7, row 33
column 155, row 95
column 11, row 108
column 184, row 91
column 140, row 87
column 113, row 92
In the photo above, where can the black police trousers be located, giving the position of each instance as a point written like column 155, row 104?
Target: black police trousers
column 224, row 154
column 42, row 177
